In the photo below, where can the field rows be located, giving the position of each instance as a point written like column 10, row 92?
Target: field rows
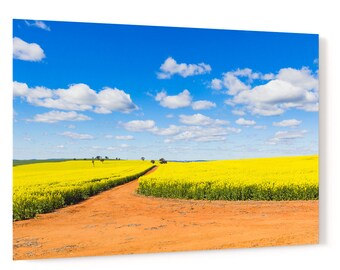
column 288, row 178
column 41, row 188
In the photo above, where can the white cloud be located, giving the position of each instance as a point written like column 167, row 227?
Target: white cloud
column 169, row 116
column 265, row 109
column 200, row 120
column 247, row 72
column 275, row 91
column 181, row 100
column 203, row 105
column 285, row 136
column 170, row 67
column 78, row 97
column 233, row 84
column 77, row 136
column 203, row 134
column 61, row 146
column 71, row 126
column 124, row 137
column 291, row 88
column 171, row 130
column 287, row 123
column 234, row 130
column 260, row 127
column 268, row 76
column 57, row 116
column 238, row 112
column 27, row 51
column 245, row 122
column 140, row 125
column 38, row 24
column 20, row 89
column 300, row 78
column 311, row 107
column 216, row 84
column 200, row 129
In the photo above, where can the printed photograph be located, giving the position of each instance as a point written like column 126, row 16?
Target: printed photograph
column 131, row 139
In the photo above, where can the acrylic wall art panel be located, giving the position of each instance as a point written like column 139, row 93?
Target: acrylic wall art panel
column 143, row 139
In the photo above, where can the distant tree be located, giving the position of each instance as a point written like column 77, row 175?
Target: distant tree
column 152, row 161
column 142, row 158
column 106, row 157
column 98, row 157
column 74, row 159
column 162, row 161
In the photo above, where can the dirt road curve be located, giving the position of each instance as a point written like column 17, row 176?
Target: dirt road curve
column 120, row 222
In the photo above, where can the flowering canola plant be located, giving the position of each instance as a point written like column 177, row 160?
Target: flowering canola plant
column 283, row 178
column 43, row 187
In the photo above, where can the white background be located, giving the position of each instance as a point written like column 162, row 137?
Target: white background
column 321, row 17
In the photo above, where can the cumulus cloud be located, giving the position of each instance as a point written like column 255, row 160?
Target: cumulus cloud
column 203, row 134
column 38, row 24
column 216, row 84
column 245, row 122
column 233, row 84
column 27, row 51
column 198, row 129
column 57, row 116
column 239, row 80
column 77, row 136
column 78, row 97
column 287, row 123
column 181, row 100
column 291, row 88
column 202, row 105
column 238, row 112
column 200, row 120
column 268, row 76
column 140, row 125
column 300, row 78
column 171, row 130
column 124, row 137
column 170, row 67
column 286, row 136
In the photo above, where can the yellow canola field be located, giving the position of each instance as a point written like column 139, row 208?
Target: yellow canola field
column 43, row 187
column 284, row 178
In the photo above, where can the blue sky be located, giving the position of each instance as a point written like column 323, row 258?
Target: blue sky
column 84, row 89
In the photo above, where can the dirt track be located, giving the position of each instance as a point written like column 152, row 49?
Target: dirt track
column 119, row 221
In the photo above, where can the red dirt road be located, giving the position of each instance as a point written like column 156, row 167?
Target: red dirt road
column 119, row 221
